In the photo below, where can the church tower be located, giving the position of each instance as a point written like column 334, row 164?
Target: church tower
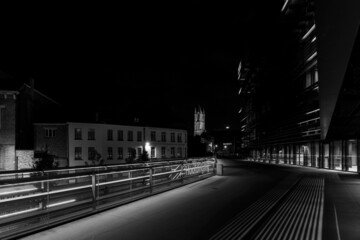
column 199, row 121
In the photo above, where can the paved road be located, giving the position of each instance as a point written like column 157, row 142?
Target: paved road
column 251, row 201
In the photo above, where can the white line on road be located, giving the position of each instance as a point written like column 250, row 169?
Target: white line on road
column 337, row 224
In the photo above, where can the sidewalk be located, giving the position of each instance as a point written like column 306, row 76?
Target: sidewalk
column 194, row 211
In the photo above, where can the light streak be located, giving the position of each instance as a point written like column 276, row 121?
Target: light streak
column 311, row 57
column 284, row 6
column 18, row 191
column 60, row 203
column 20, row 212
column 308, row 32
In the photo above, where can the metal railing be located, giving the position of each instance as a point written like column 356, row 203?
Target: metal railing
column 30, row 174
column 36, row 204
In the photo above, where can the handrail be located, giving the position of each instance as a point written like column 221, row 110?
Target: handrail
column 93, row 191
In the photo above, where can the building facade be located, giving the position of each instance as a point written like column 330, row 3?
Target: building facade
column 81, row 144
column 7, row 130
column 199, row 122
column 319, row 127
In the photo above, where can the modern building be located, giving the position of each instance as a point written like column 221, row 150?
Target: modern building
column 81, row 144
column 316, row 121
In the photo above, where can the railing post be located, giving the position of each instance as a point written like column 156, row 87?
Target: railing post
column 151, row 179
column 181, row 173
column 93, row 189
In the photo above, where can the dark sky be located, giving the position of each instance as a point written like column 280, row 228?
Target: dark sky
column 174, row 56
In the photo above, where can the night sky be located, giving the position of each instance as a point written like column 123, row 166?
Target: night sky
column 115, row 57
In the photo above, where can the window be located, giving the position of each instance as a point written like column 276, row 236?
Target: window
column 50, row 132
column 110, row 153
column 78, row 134
column 120, row 135
column 163, row 136
column 172, row 137
column 152, row 152
column 120, row 153
column 172, row 152
column 139, row 151
column 130, row 135
column 163, row 152
column 179, row 137
column 91, row 153
column 139, row 136
column 131, row 153
column 91, row 134
column 78, row 153
column 153, row 136
column 185, row 138
column 2, row 112
column 109, row 134
column 179, row 153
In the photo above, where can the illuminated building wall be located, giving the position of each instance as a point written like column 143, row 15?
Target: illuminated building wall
column 74, row 144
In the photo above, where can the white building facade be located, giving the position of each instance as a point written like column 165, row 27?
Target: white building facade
column 94, row 144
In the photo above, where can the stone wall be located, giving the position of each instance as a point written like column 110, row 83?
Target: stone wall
column 25, row 159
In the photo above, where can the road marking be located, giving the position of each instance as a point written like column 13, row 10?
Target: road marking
column 337, row 224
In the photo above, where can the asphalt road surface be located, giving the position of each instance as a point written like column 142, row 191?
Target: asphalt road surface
column 250, row 201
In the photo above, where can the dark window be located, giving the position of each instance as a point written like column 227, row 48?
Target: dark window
column 153, row 136
column 172, row 137
column 91, row 134
column 91, row 153
column 185, row 138
column 110, row 153
column 109, row 134
column 152, row 152
column 50, row 132
column 139, row 136
column 120, row 135
column 163, row 152
column 139, row 152
column 78, row 153
column 130, row 136
column 179, row 137
column 78, row 134
column 172, row 151
column 179, row 153
column 120, row 153
column 163, row 136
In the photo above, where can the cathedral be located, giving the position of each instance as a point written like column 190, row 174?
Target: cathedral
column 199, row 121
